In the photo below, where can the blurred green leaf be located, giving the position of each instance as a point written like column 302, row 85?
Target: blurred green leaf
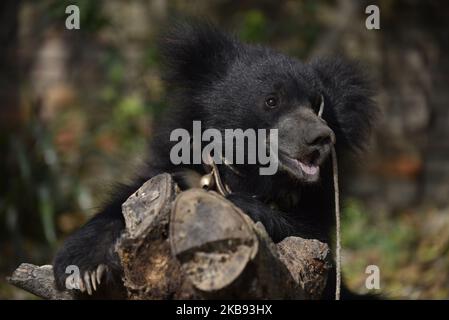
column 46, row 211
column 128, row 108
column 254, row 26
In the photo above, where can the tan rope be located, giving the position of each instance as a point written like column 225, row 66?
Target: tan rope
column 337, row 214
column 337, row 226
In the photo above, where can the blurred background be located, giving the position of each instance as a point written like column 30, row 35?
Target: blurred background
column 76, row 107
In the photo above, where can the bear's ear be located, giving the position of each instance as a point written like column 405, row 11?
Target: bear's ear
column 196, row 54
column 349, row 107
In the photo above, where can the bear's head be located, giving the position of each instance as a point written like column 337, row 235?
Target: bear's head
column 229, row 84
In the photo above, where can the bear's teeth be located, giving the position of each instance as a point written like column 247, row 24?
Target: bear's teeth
column 308, row 169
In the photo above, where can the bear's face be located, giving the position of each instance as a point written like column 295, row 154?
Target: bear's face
column 267, row 90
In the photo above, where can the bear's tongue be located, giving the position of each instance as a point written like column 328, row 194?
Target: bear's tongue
column 308, row 169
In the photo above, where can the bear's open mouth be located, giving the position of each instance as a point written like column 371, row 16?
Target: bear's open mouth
column 300, row 169
column 309, row 169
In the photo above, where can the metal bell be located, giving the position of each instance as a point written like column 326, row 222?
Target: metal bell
column 207, row 181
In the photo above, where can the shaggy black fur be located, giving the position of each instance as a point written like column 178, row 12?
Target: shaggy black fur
column 214, row 78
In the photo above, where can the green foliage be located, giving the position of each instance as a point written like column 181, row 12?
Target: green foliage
column 151, row 59
column 254, row 27
column 362, row 231
column 410, row 250
column 32, row 194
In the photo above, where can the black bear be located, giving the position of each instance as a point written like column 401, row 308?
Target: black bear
column 215, row 79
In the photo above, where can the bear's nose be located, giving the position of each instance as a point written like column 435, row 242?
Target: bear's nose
column 319, row 137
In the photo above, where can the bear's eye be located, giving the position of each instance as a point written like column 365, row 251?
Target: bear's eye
column 271, row 102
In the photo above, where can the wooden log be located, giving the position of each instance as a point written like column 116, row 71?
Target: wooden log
column 197, row 245
column 150, row 269
column 38, row 280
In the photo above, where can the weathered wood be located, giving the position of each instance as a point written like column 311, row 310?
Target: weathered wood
column 198, row 245
column 39, row 281
column 150, row 269
column 308, row 261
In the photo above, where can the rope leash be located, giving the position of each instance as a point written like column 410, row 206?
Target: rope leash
column 337, row 226
column 337, row 213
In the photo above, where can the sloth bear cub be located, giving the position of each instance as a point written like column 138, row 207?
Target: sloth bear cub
column 213, row 78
